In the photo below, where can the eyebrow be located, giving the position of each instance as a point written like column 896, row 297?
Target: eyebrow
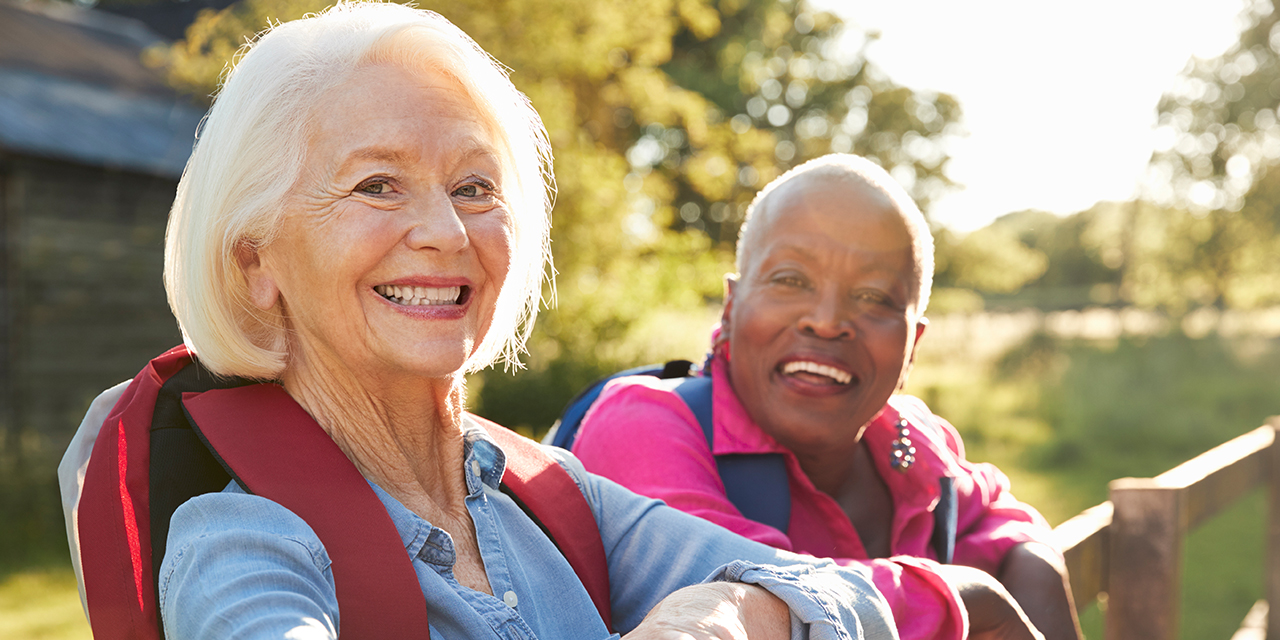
column 470, row 147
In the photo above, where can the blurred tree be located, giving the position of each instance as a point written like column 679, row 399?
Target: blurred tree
column 666, row 116
column 1219, row 141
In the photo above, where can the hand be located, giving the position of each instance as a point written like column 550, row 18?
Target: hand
column 1037, row 578
column 716, row 611
column 993, row 613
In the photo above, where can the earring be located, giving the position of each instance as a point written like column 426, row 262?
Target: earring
column 903, row 454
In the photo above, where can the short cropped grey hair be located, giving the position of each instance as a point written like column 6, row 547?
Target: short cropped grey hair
column 858, row 170
column 250, row 151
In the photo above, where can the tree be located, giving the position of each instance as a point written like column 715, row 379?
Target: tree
column 1220, row 143
column 665, row 116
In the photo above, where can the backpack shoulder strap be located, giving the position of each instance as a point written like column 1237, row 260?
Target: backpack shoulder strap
column 565, row 430
column 551, row 497
column 276, row 450
column 756, row 483
column 115, row 555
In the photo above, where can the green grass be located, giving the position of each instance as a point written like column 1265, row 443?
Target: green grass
column 41, row 604
column 1064, row 418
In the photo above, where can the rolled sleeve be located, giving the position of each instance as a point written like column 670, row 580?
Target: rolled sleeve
column 821, row 602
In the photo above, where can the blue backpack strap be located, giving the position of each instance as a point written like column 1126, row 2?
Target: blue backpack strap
column 756, row 483
column 945, row 521
column 565, row 430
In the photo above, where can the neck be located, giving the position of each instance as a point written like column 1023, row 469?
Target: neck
column 830, row 469
column 402, row 433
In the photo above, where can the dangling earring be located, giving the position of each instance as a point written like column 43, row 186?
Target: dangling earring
column 903, row 454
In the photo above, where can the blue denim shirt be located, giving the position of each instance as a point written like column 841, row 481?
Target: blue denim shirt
column 241, row 566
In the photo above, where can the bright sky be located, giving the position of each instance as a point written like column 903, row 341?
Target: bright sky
column 1059, row 97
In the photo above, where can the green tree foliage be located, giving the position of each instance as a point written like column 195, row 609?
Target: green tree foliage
column 666, row 116
column 1220, row 143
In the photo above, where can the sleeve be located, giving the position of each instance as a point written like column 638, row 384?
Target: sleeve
column 653, row 550
column 990, row 519
column 645, row 438
column 267, row 576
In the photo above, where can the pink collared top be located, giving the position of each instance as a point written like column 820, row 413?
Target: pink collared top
column 643, row 436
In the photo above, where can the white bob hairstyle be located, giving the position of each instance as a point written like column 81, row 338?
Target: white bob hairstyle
column 251, row 149
column 860, row 171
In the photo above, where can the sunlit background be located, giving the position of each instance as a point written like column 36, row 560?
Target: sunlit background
column 1059, row 98
column 1102, row 178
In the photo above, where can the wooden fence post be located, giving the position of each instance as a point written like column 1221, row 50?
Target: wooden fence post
column 1146, row 560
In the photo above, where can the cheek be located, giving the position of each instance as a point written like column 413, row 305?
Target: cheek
column 494, row 240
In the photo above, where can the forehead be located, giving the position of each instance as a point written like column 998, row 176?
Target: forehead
column 382, row 106
column 846, row 212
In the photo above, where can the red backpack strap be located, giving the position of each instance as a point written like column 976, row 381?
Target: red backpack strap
column 276, row 450
column 113, row 514
column 555, row 500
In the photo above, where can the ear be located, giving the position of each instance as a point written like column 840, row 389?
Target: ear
column 264, row 293
column 730, row 286
column 921, row 325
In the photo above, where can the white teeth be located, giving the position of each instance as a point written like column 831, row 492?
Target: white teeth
column 817, row 369
column 419, row 296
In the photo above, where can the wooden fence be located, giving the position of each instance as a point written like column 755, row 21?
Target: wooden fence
column 1128, row 550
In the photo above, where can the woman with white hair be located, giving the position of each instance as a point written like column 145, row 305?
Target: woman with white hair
column 364, row 221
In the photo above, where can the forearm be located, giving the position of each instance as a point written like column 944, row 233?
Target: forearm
column 717, row 611
column 1037, row 579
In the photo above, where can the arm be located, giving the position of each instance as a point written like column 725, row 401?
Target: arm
column 993, row 613
column 1005, row 537
column 720, row 611
column 636, row 420
column 265, row 577
column 1037, row 578
column 654, row 551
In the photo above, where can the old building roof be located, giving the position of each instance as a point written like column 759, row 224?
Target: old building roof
column 73, row 87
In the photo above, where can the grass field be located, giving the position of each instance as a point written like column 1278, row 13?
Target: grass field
column 1061, row 417
column 41, row 604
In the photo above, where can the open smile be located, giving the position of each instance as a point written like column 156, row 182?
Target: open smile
column 424, row 296
column 816, row 373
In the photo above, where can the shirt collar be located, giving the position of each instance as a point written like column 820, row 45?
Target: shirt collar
column 421, row 538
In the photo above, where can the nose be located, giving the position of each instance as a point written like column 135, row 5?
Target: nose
column 437, row 225
column 828, row 318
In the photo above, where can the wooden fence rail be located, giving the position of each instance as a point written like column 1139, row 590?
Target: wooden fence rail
column 1128, row 550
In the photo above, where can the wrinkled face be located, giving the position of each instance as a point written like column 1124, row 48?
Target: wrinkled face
column 396, row 239
column 821, row 322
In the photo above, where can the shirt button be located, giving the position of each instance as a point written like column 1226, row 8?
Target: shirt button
column 510, row 599
column 475, row 469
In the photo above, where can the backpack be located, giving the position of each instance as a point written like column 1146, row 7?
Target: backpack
column 756, row 484
column 206, row 431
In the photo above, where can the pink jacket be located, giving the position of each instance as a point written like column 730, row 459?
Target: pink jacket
column 644, row 437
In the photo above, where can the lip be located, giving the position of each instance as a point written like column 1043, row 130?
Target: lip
column 430, row 312
column 811, row 389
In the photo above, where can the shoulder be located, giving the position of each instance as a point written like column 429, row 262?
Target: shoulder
column 248, row 517
column 640, row 409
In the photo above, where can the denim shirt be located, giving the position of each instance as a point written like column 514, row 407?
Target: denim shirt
column 242, row 566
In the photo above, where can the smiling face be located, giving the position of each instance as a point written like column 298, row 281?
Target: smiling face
column 821, row 322
column 396, row 239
